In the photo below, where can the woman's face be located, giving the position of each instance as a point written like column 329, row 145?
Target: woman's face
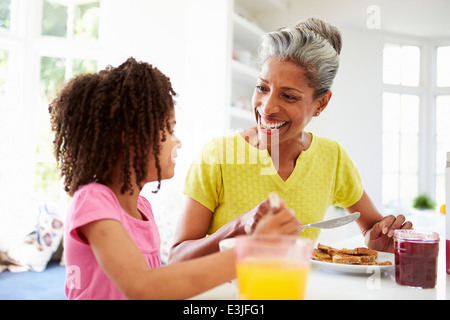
column 283, row 101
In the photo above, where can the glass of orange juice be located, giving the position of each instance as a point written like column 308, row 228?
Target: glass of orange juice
column 272, row 267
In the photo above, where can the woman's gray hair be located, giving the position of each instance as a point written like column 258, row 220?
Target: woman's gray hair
column 314, row 45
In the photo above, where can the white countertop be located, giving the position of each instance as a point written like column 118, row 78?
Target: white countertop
column 333, row 285
column 327, row 284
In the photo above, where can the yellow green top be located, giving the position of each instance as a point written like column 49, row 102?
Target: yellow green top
column 230, row 177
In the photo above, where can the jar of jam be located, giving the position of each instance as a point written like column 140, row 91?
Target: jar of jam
column 416, row 257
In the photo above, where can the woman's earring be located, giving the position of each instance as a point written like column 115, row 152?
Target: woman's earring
column 317, row 114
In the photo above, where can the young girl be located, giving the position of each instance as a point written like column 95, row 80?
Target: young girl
column 114, row 132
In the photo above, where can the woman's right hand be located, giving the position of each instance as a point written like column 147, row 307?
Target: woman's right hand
column 264, row 220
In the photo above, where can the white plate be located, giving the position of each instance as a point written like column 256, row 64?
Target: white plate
column 354, row 268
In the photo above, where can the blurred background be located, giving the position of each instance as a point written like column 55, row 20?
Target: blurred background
column 390, row 107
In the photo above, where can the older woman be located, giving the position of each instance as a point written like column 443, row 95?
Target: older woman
column 228, row 185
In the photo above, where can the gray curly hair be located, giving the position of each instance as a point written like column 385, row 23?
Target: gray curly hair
column 313, row 44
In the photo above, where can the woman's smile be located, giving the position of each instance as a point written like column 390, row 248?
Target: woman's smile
column 269, row 125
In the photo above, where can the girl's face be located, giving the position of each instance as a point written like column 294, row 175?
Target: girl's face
column 283, row 101
column 167, row 154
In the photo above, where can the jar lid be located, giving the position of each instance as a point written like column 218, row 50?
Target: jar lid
column 416, row 235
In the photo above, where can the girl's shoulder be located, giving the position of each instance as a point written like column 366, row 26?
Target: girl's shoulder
column 94, row 189
column 94, row 197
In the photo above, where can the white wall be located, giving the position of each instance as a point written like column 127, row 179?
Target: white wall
column 186, row 40
column 150, row 31
column 354, row 114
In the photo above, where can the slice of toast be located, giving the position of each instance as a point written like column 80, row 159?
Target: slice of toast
column 360, row 256
column 357, row 251
column 360, row 252
column 351, row 259
column 326, row 249
column 321, row 256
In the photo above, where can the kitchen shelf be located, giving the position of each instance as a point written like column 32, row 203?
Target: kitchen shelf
column 245, row 32
column 242, row 70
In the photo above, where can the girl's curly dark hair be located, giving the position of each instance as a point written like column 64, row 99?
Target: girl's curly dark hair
column 98, row 117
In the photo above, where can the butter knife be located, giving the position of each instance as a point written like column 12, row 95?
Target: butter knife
column 334, row 223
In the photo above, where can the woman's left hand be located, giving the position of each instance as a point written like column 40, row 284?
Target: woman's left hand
column 380, row 237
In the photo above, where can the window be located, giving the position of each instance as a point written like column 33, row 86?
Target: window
column 443, row 66
column 39, row 63
column 5, row 14
column 61, row 21
column 401, row 65
column 414, row 148
column 400, row 149
column 5, row 123
column 401, row 104
column 3, row 70
column 442, row 144
column 442, row 131
column 70, row 19
column 52, row 77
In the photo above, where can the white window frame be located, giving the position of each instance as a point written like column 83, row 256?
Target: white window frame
column 26, row 46
column 436, row 91
column 427, row 92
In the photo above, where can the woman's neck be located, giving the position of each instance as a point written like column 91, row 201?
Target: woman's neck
column 290, row 150
column 285, row 154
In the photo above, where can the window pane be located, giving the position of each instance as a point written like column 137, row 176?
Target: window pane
column 409, row 114
column 52, row 75
column 86, row 21
column 5, row 14
column 401, row 65
column 400, row 150
column 51, row 81
column 390, row 191
column 442, row 144
column 391, row 64
column 3, row 70
column 47, row 178
column 443, row 67
column 409, row 188
column 391, row 113
column 84, row 66
column 391, row 153
column 409, row 154
column 4, row 117
column 443, row 116
column 410, row 59
column 54, row 19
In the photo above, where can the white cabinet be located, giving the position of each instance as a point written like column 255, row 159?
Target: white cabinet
column 246, row 19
